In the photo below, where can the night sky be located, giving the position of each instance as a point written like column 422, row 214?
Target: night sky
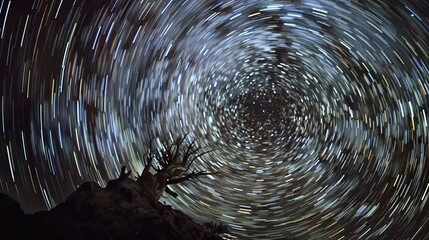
column 317, row 111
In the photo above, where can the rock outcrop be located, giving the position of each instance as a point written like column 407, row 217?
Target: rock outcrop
column 123, row 210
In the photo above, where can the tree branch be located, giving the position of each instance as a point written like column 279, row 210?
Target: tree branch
column 169, row 191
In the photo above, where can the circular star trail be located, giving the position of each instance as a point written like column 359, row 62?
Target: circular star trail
column 317, row 111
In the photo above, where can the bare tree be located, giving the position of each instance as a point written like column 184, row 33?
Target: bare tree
column 172, row 163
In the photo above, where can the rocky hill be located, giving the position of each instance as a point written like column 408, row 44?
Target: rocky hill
column 122, row 210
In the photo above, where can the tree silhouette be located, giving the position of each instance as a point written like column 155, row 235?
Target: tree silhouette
column 172, row 163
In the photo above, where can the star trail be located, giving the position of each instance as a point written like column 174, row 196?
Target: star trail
column 317, row 111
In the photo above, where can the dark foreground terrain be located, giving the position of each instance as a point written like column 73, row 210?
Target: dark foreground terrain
column 122, row 210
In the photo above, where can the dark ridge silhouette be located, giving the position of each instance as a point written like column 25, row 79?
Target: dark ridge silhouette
column 125, row 209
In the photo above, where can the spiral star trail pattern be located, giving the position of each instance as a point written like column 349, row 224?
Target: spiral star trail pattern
column 317, row 110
